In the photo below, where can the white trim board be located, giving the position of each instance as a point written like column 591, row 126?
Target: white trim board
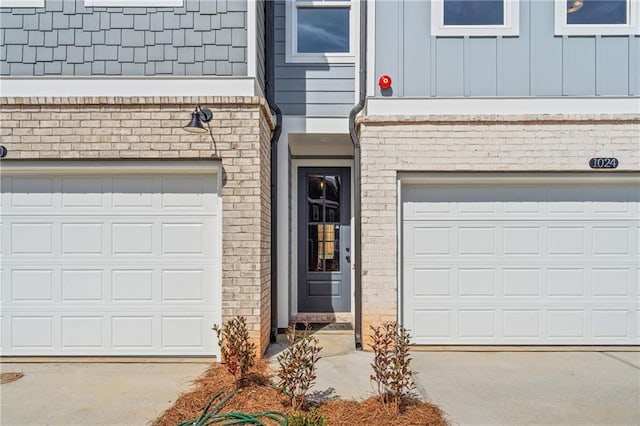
column 371, row 46
column 133, row 3
column 252, row 41
column 512, row 106
column 541, row 178
column 127, row 86
column 21, row 3
column 107, row 167
column 292, row 290
column 302, row 124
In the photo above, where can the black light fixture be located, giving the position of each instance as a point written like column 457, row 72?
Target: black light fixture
column 198, row 116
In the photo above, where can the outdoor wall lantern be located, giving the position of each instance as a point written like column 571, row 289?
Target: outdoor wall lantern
column 198, row 116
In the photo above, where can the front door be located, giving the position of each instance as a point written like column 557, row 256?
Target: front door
column 324, row 240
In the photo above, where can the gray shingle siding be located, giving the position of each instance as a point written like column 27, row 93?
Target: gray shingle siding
column 67, row 38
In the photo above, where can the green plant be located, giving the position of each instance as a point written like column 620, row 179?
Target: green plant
column 312, row 418
column 391, row 372
column 238, row 353
column 297, row 363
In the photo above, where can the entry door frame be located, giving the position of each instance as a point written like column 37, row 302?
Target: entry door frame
column 296, row 164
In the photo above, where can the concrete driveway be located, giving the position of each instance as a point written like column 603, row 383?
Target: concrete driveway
column 473, row 388
column 509, row 388
column 92, row 394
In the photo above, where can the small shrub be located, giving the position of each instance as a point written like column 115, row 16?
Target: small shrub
column 391, row 372
column 238, row 353
column 312, row 418
column 297, row 370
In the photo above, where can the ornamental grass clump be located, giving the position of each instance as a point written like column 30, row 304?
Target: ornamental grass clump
column 391, row 372
column 297, row 370
column 238, row 353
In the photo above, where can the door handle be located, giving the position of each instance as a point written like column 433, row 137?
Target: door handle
column 348, row 257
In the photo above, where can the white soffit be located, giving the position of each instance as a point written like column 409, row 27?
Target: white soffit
column 492, row 106
column 302, row 124
column 320, row 144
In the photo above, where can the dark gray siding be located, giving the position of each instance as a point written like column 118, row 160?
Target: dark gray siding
column 260, row 35
column 325, row 90
column 535, row 63
column 203, row 37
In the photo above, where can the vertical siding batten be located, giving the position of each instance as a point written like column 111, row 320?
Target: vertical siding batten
column 387, row 40
column 416, row 51
column 634, row 65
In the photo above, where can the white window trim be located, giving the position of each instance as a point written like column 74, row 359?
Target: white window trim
column 21, row 3
column 511, row 26
column 291, row 33
column 133, row 3
column 631, row 27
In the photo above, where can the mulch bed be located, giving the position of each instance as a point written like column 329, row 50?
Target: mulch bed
column 258, row 396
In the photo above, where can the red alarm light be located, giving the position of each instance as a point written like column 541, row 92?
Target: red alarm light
column 384, row 82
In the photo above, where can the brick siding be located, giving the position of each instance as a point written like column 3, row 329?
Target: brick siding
column 466, row 143
column 151, row 128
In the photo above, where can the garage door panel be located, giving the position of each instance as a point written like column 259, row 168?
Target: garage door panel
column 82, row 285
column 82, row 238
column 121, row 333
column 110, row 265
column 126, row 194
column 559, row 325
column 477, row 282
column 611, row 240
column 80, row 191
column 566, row 282
column 129, row 193
column 31, row 192
column 522, row 324
column 82, row 332
column 428, row 240
column 551, row 265
column 520, row 240
column 31, row 238
column 551, row 240
column 32, row 285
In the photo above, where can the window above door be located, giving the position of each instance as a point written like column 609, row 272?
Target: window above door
column 474, row 17
column 597, row 17
column 320, row 31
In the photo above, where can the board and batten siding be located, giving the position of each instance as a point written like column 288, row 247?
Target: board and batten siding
column 535, row 63
column 324, row 90
column 203, row 37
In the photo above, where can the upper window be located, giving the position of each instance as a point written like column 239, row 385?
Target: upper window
column 320, row 31
column 474, row 17
column 596, row 17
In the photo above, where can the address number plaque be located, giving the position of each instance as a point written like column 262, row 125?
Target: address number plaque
column 603, row 163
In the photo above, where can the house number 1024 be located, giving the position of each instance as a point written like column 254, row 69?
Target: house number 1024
column 603, row 163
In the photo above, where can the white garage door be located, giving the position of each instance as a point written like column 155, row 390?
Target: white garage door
column 521, row 264
column 109, row 265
